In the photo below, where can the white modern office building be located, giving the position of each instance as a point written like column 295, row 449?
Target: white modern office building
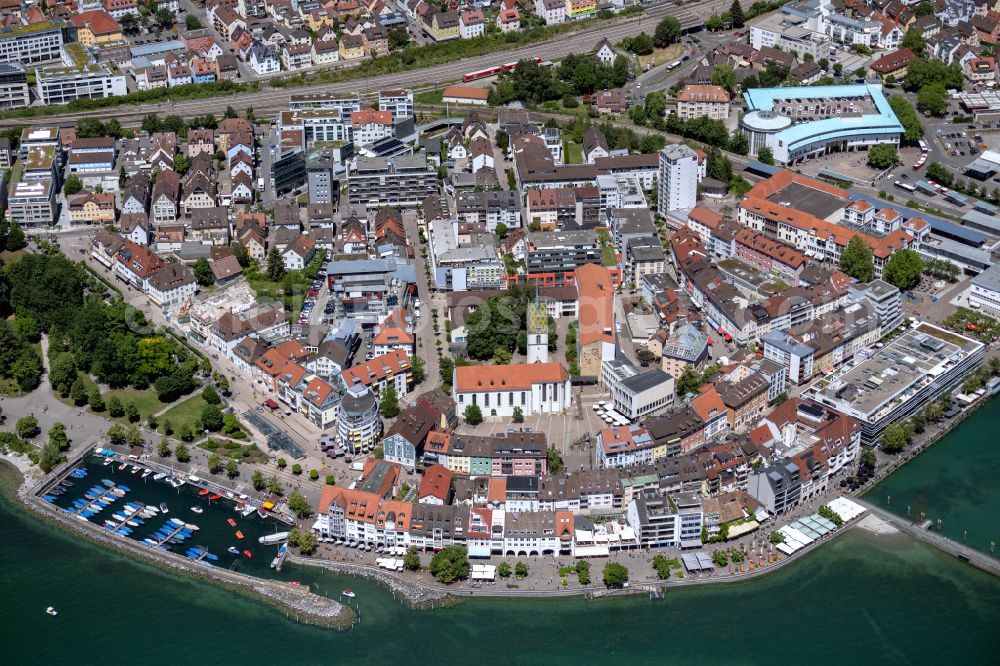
column 678, row 179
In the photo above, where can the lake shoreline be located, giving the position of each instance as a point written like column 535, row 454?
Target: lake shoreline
column 295, row 602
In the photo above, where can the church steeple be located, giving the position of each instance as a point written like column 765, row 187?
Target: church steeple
column 538, row 331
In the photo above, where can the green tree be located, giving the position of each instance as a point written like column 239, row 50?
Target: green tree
column 49, row 457
column 913, row 129
column 257, row 480
column 58, row 437
column 714, row 23
column 418, row 369
column 856, row 260
column 555, row 461
column 720, row 558
column 116, row 433
column 724, row 76
column 615, row 575
column 211, row 396
column 282, row 463
column 203, row 272
column 895, row 438
column 736, row 14
column 450, row 564
column 903, row 269
column 131, row 412
column 63, row 373
column 668, row 31
column 473, row 415
column 299, row 504
column 275, row 265
column 215, row 462
column 411, row 561
column 72, row 185
column 520, row 570
column 27, row 427
column 304, row 540
column 115, row 407
column 296, row 469
column 518, row 415
column 192, row 22
column 504, row 570
column 229, row 424
column 662, row 566
column 211, row 418
column 181, row 163
column 914, row 40
column 923, row 8
column 133, row 436
column 766, row 155
column 163, row 449
column 883, row 156
column 182, row 454
column 583, row 572
column 15, row 237
column 186, row 433
column 933, row 99
column 314, row 474
column 94, row 400
column 274, row 486
column 78, row 391
column 389, row 404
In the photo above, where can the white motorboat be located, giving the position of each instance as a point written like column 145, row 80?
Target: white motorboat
column 158, row 476
column 276, row 538
column 51, row 611
column 197, row 509
column 147, row 473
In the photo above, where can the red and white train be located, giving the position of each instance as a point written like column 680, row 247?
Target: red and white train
column 493, row 71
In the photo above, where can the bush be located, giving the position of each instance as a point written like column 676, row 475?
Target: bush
column 314, row 474
column 296, row 469
column 27, row 427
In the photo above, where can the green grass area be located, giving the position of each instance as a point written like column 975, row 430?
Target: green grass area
column 145, row 400
column 608, row 257
column 429, row 97
column 187, row 412
column 248, row 453
column 572, row 152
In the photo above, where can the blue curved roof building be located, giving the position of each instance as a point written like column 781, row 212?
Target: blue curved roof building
column 808, row 121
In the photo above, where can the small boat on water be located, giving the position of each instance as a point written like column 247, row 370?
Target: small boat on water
column 233, row 550
column 191, row 528
column 347, row 593
column 135, row 469
column 248, row 554
column 274, row 562
column 147, row 473
column 203, row 491
column 197, row 509
column 239, row 535
column 261, row 512
column 158, row 476
column 108, row 461
column 108, row 482
column 294, row 582
column 176, row 522
column 66, row 483
column 51, row 611
column 164, row 508
column 122, row 466
column 214, row 497
column 232, row 523
column 124, row 488
column 247, row 510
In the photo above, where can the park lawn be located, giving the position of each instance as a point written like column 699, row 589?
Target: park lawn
column 145, row 400
column 429, row 97
column 186, row 411
column 574, row 152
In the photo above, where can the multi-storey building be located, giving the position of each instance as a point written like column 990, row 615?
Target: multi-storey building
column 399, row 181
column 678, row 180
column 31, row 44
column 538, row 388
column 13, row 86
